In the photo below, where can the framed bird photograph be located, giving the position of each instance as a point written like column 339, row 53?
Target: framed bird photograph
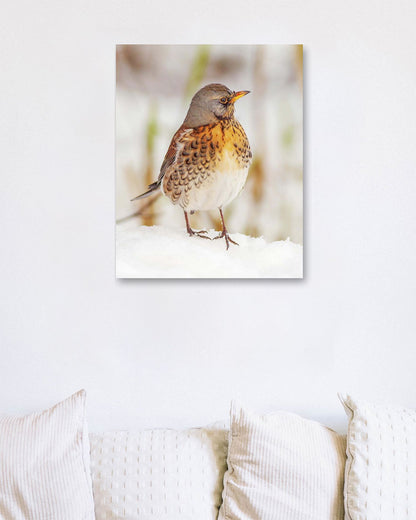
column 209, row 161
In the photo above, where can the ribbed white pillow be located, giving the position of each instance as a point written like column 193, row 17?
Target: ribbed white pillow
column 282, row 467
column 44, row 464
column 158, row 474
column 380, row 473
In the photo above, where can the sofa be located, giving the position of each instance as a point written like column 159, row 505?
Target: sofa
column 254, row 467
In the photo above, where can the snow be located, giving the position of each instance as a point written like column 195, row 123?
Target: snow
column 163, row 252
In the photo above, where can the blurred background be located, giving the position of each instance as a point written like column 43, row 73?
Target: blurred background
column 154, row 86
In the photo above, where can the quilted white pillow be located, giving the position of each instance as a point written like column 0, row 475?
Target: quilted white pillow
column 158, row 474
column 44, row 464
column 380, row 473
column 282, row 467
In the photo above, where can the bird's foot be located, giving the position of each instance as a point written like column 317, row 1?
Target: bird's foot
column 228, row 239
column 200, row 234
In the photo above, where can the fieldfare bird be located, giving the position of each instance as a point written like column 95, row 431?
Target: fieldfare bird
column 207, row 162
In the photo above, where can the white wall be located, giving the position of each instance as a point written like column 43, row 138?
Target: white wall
column 174, row 353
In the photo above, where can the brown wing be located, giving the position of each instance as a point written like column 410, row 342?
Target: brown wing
column 172, row 158
column 193, row 160
column 171, row 153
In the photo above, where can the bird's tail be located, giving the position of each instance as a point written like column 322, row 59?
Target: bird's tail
column 152, row 188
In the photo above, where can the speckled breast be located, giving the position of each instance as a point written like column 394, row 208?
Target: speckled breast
column 210, row 167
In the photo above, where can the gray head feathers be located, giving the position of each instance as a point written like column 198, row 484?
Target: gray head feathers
column 211, row 104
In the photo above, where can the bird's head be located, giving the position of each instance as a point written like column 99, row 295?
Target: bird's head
column 211, row 104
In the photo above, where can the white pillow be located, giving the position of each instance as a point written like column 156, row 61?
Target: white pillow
column 380, row 473
column 282, row 467
column 44, row 464
column 159, row 474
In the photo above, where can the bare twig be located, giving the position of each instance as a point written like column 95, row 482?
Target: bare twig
column 141, row 210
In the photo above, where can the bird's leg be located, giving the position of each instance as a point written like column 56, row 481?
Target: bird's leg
column 191, row 232
column 224, row 233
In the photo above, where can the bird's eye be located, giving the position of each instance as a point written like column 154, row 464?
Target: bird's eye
column 223, row 100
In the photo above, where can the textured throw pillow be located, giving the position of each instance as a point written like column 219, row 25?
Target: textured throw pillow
column 282, row 467
column 44, row 464
column 380, row 473
column 159, row 474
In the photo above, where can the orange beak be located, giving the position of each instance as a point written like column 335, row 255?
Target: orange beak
column 238, row 95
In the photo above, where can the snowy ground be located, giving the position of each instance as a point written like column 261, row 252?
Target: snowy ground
column 162, row 252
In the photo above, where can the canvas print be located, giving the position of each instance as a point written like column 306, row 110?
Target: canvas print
column 209, row 161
